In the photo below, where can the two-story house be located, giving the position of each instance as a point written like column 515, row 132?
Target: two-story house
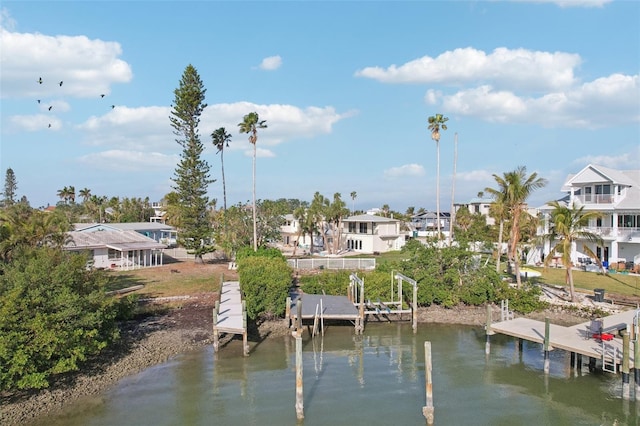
column 425, row 223
column 615, row 194
column 478, row 205
column 367, row 233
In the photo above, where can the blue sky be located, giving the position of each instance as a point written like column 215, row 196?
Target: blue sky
column 345, row 89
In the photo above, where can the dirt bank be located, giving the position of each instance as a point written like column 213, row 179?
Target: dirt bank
column 156, row 339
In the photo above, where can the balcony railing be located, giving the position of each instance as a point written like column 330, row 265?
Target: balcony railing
column 609, row 232
column 595, row 198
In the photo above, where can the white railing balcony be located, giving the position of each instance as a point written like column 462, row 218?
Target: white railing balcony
column 595, row 198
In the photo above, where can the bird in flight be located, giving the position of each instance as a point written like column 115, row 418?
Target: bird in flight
column 102, row 96
column 50, row 107
column 49, row 125
column 60, row 84
column 38, row 100
column 40, row 80
column 113, row 106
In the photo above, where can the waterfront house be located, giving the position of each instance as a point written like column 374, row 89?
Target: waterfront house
column 615, row 194
column 367, row 233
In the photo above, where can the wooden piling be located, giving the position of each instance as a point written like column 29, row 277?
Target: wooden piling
column 487, row 346
column 428, row 409
column 287, row 312
column 546, row 345
column 216, row 309
column 636, row 367
column 299, row 381
column 625, row 364
column 245, row 343
column 414, row 310
column 299, row 316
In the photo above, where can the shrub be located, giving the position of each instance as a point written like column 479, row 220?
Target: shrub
column 54, row 313
column 265, row 282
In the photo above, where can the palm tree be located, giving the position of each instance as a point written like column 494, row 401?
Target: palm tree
column 513, row 191
column 566, row 227
column 250, row 124
column 85, row 193
column 221, row 141
column 498, row 212
column 63, row 194
column 72, row 194
column 354, row 195
column 437, row 122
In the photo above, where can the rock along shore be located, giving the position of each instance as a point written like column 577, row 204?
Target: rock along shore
column 154, row 340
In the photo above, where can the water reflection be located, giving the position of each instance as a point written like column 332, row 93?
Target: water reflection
column 375, row 378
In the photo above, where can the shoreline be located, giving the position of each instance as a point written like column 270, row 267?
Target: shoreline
column 154, row 340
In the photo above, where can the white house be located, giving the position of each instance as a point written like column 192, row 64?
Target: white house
column 425, row 224
column 478, row 205
column 111, row 247
column 616, row 195
column 367, row 233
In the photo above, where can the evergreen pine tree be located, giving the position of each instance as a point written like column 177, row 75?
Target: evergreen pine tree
column 192, row 172
column 10, row 187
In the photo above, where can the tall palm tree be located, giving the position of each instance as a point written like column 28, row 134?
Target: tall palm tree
column 513, row 191
column 250, row 124
column 354, row 195
column 497, row 210
column 221, row 141
column 566, row 227
column 437, row 122
column 72, row 194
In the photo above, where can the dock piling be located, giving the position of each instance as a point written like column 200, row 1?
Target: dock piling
column 428, row 409
column 299, row 381
column 625, row 364
column 487, row 346
column 216, row 309
column 546, row 345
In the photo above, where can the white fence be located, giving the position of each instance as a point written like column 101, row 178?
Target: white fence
column 332, row 263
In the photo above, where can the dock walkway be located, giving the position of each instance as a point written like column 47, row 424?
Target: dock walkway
column 230, row 315
column 577, row 338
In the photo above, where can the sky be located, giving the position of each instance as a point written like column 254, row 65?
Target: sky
column 345, row 87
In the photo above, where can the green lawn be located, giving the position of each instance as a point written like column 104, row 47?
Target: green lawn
column 624, row 284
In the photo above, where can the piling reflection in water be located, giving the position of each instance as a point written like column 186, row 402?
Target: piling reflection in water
column 375, row 378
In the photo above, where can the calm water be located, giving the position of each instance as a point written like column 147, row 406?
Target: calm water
column 375, row 379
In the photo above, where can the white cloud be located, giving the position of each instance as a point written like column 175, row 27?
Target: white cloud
column 475, row 176
column 34, row 123
column 404, row 170
column 131, row 128
column 149, row 127
column 129, row 161
column 271, row 63
column 87, row 67
column 603, row 102
column 628, row 160
column 503, row 68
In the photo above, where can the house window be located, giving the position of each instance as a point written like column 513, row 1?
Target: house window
column 476, row 208
column 114, row 254
column 363, row 227
column 587, row 194
column 628, row 221
column 603, row 193
column 352, row 227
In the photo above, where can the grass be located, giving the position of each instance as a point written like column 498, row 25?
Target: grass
column 628, row 285
column 162, row 282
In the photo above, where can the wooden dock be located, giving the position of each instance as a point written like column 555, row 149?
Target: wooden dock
column 333, row 307
column 230, row 314
column 576, row 339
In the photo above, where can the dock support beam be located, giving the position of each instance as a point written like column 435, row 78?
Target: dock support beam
column 546, row 345
column 427, row 410
column 636, row 367
column 245, row 344
column 625, row 364
column 487, row 346
column 299, row 381
column 216, row 309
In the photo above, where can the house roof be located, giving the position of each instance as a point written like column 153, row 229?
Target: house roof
column 369, row 218
column 594, row 174
column 118, row 240
column 132, row 226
